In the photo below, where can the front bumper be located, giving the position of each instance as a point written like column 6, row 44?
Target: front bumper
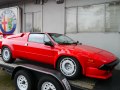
column 109, row 66
column 104, row 72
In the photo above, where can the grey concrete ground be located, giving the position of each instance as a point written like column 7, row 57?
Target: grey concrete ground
column 111, row 84
column 5, row 81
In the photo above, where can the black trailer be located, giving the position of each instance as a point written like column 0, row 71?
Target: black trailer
column 35, row 77
column 39, row 76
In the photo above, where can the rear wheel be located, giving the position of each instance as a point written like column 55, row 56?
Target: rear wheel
column 7, row 55
column 69, row 67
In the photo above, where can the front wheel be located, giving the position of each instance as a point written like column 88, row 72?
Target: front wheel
column 69, row 67
column 49, row 83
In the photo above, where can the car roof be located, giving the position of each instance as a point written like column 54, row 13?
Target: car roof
column 36, row 33
column 42, row 33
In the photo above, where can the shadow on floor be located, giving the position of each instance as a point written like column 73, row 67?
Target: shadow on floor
column 111, row 84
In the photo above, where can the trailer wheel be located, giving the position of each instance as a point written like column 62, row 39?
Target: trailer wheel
column 23, row 80
column 49, row 83
column 7, row 55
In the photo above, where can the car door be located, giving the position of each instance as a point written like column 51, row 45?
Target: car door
column 37, row 50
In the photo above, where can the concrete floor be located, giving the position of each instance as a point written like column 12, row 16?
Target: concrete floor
column 111, row 84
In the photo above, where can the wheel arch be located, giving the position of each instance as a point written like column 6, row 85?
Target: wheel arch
column 6, row 46
column 11, row 49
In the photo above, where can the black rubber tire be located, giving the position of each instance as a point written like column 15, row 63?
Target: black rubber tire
column 51, row 80
column 11, row 59
column 78, row 72
column 28, row 76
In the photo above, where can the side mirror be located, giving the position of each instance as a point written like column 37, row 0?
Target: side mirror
column 79, row 43
column 49, row 43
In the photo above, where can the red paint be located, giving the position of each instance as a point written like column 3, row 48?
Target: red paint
column 4, row 24
column 90, row 58
column 96, row 73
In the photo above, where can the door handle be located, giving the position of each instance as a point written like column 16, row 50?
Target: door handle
column 26, row 44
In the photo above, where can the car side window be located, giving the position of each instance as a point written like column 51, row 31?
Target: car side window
column 46, row 39
column 38, row 38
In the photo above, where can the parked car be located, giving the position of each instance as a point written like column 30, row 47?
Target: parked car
column 69, row 57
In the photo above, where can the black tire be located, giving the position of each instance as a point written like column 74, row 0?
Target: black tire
column 77, row 67
column 10, row 59
column 29, row 80
column 48, row 82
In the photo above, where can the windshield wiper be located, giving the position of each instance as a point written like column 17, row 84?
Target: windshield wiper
column 75, row 43
column 65, row 43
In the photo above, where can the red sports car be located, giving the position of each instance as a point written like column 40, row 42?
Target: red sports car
column 69, row 57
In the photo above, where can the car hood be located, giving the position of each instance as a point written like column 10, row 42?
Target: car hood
column 92, row 52
column 82, row 48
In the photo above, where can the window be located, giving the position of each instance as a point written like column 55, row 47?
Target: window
column 37, row 22
column 39, row 38
column 91, row 18
column 113, row 17
column 61, row 39
column 33, row 22
column 94, row 18
column 46, row 39
column 71, row 20
column 29, row 22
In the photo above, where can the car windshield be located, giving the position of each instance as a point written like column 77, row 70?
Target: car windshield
column 61, row 39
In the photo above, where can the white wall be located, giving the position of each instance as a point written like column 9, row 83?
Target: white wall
column 53, row 17
column 31, row 7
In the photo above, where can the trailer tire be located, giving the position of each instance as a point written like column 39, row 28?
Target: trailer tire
column 49, row 83
column 7, row 55
column 23, row 80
